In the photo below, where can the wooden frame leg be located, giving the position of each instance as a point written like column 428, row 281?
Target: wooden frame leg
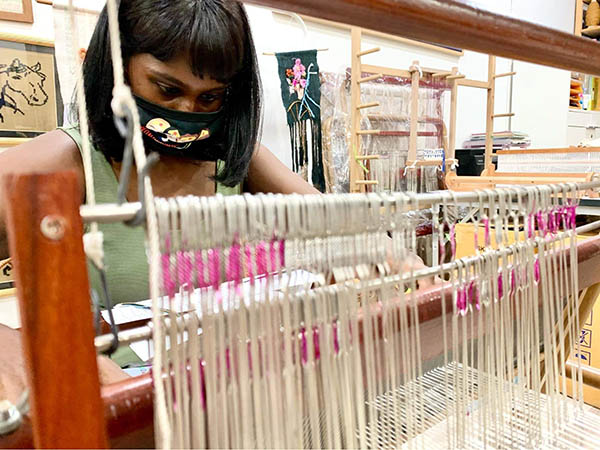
column 45, row 234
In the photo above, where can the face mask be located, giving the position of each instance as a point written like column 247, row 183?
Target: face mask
column 179, row 133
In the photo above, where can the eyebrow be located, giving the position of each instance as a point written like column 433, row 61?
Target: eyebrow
column 166, row 77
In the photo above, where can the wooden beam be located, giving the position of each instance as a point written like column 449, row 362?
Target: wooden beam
column 391, row 37
column 368, row 52
column 46, row 243
column 507, row 74
column 368, row 105
column 578, row 17
column 453, row 112
column 367, row 182
column 489, row 123
column 497, row 116
column 385, row 71
column 367, row 157
column 370, row 78
column 414, row 111
column 474, row 84
column 356, row 171
column 458, row 76
column 452, row 23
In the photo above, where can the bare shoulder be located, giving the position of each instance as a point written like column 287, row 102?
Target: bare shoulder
column 51, row 152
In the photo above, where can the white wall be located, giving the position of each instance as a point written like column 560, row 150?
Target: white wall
column 42, row 26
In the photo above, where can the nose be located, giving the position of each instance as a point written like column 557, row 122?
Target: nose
column 188, row 105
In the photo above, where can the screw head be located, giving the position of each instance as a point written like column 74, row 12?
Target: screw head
column 53, row 227
column 10, row 417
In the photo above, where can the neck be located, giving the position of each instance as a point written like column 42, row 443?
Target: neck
column 174, row 177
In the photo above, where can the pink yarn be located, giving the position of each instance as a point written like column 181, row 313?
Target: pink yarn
column 282, row 253
column 168, row 282
column 500, row 286
column 234, row 265
column 536, row 271
column 202, row 282
column 248, row 262
column 261, row 259
column 273, row 256
column 486, row 224
column 513, row 281
column 531, row 227
column 214, row 268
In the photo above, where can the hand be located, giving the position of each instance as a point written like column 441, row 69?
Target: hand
column 412, row 262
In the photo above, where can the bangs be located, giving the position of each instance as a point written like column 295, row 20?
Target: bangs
column 212, row 35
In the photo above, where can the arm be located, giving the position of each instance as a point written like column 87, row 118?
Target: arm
column 268, row 174
column 51, row 152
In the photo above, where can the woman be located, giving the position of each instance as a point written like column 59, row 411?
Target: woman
column 192, row 67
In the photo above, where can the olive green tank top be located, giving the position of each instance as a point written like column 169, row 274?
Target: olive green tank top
column 124, row 247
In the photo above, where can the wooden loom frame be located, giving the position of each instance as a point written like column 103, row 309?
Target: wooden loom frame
column 357, row 179
column 490, row 177
column 43, row 263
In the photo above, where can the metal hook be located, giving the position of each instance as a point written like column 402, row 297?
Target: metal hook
column 124, row 126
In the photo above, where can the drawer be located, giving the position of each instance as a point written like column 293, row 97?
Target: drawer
column 575, row 135
column 583, row 118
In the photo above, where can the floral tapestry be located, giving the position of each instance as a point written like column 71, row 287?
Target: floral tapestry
column 301, row 95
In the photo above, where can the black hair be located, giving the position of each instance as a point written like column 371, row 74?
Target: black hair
column 215, row 35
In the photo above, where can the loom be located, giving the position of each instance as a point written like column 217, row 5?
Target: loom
column 255, row 353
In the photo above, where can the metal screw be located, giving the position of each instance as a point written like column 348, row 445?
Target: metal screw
column 10, row 417
column 53, row 227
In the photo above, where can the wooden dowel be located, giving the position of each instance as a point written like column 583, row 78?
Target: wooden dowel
column 456, row 77
column 474, row 84
column 367, row 157
column 370, row 78
column 362, row 132
column 441, row 74
column 368, row 105
column 369, row 182
column 507, row 74
column 367, row 52
column 273, row 53
column 495, row 116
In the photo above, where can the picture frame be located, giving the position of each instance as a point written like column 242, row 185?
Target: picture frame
column 30, row 98
column 16, row 10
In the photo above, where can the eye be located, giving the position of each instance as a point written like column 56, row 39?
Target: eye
column 169, row 91
column 17, row 77
column 210, row 98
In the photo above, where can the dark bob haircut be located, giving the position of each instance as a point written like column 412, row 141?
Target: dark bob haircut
column 216, row 38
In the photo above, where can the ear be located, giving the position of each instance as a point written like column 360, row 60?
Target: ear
column 16, row 63
column 37, row 67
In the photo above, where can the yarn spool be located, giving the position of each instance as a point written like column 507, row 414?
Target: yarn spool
column 592, row 17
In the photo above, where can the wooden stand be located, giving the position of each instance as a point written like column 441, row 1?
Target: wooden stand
column 356, row 157
column 46, row 242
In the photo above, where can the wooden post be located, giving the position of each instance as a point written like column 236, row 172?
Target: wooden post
column 356, row 171
column 489, row 124
column 453, row 102
column 578, row 17
column 45, row 237
column 414, row 111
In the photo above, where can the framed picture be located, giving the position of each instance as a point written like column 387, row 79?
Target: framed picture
column 30, row 100
column 16, row 10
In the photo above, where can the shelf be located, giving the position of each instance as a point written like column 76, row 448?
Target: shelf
column 592, row 32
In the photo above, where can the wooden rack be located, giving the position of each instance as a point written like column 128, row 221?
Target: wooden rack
column 356, row 156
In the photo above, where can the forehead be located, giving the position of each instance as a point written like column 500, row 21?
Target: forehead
column 177, row 68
